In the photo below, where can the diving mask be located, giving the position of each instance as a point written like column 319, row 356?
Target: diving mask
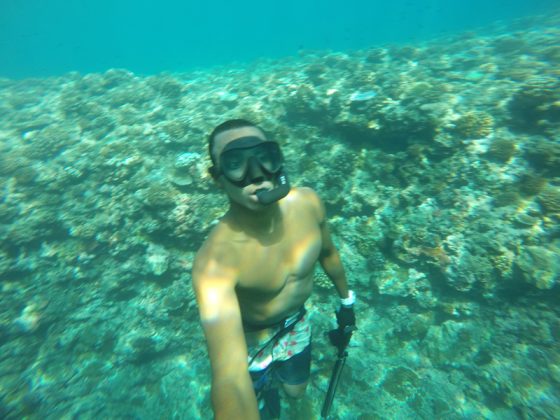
column 245, row 159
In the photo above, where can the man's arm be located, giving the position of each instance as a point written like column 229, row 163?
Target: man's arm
column 233, row 396
column 330, row 261
column 329, row 257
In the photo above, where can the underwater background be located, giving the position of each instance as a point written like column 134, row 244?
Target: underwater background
column 40, row 38
column 431, row 130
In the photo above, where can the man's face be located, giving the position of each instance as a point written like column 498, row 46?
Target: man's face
column 259, row 179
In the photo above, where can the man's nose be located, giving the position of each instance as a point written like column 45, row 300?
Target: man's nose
column 255, row 171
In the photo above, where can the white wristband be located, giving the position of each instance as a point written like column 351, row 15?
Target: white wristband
column 350, row 300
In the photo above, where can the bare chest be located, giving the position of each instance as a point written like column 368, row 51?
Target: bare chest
column 269, row 269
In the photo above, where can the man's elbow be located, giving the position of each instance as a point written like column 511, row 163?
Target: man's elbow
column 327, row 254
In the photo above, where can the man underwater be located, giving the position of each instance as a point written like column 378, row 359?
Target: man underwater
column 254, row 273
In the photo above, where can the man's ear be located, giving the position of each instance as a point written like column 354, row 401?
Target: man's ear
column 215, row 176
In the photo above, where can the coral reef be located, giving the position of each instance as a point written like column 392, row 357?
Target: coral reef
column 549, row 198
column 401, row 383
column 187, row 169
column 535, row 106
column 544, row 155
column 540, row 266
column 501, row 150
column 506, row 198
column 474, row 125
column 531, row 184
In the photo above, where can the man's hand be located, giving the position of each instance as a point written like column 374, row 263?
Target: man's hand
column 345, row 315
column 346, row 320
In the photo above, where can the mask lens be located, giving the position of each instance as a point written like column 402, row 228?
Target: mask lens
column 269, row 156
column 234, row 162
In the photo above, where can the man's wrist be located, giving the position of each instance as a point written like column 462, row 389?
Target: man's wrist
column 350, row 300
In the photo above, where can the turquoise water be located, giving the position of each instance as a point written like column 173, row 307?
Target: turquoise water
column 430, row 130
column 39, row 38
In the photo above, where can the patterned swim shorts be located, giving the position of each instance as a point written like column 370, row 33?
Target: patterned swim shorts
column 263, row 351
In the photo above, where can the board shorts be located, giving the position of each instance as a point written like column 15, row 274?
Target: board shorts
column 289, row 354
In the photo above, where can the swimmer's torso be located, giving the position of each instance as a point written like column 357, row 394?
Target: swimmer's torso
column 275, row 277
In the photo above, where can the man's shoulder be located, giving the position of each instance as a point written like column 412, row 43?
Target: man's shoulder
column 303, row 191
column 304, row 195
column 308, row 198
column 216, row 248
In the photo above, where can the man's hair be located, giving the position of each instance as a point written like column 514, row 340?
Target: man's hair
column 225, row 126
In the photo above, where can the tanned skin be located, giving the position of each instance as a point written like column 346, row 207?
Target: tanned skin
column 257, row 265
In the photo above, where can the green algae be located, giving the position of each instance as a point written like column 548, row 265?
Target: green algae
column 502, row 150
column 402, row 383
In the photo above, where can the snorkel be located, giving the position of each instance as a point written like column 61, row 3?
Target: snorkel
column 281, row 190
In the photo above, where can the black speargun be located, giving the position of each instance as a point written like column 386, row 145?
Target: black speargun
column 340, row 338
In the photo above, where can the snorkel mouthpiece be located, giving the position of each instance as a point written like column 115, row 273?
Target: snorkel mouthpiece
column 268, row 197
